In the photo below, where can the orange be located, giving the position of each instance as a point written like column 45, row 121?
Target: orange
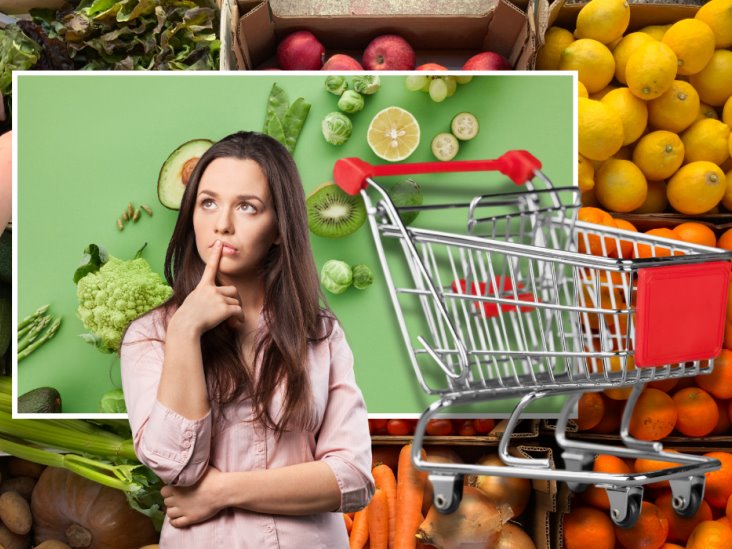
column 728, row 509
column 654, row 416
column 724, row 424
column 724, row 520
column 590, row 410
column 728, row 321
column 695, row 233
column 664, row 385
column 616, row 364
column 719, row 483
column 710, row 534
column 626, row 246
column 591, row 243
column 680, row 528
column 697, row 412
column 645, row 250
column 610, row 422
column 648, row 533
column 586, row 527
column 643, row 465
column 719, row 382
column 725, row 240
column 595, row 496
column 670, row 546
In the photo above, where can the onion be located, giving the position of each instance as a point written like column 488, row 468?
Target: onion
column 512, row 491
column 476, row 523
column 437, row 454
column 513, row 537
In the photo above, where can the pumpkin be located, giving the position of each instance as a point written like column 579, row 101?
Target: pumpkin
column 85, row 514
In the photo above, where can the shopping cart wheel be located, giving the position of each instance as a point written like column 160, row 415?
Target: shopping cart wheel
column 625, row 505
column 687, row 495
column 448, row 491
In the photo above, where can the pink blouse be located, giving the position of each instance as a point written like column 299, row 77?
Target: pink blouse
column 179, row 450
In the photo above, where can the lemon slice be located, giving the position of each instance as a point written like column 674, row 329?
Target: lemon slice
column 393, row 134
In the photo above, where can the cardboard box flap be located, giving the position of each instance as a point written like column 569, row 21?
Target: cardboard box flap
column 255, row 37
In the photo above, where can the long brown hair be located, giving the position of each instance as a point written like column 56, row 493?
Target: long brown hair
column 293, row 313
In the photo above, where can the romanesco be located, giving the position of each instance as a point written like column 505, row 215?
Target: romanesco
column 115, row 295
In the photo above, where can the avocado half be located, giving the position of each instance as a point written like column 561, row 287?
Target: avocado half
column 177, row 169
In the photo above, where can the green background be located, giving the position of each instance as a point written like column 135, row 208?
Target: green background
column 89, row 144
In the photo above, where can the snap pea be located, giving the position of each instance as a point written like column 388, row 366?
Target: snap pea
column 294, row 121
column 275, row 129
column 277, row 103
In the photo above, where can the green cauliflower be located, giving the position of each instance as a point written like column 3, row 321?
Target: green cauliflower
column 115, row 295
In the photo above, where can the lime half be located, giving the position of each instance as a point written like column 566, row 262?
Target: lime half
column 393, row 134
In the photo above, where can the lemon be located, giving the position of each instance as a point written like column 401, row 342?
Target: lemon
column 718, row 15
column 585, row 174
column 706, row 111
column 651, row 69
column 625, row 153
column 693, row 43
column 727, row 112
column 555, row 41
column 659, row 154
column 632, row 111
column 625, row 48
column 676, row 109
column 696, row 188
column 600, row 130
column 656, row 200
column 593, row 62
column 706, row 140
column 714, row 82
column 727, row 198
column 581, row 90
column 597, row 96
column 393, row 134
column 620, row 186
column 603, row 20
column 655, row 31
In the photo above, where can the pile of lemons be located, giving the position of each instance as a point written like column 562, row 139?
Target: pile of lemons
column 655, row 107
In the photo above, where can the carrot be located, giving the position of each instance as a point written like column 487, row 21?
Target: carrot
column 378, row 521
column 359, row 530
column 385, row 480
column 410, row 492
column 349, row 523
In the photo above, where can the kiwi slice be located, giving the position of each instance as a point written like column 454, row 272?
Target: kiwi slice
column 445, row 146
column 177, row 169
column 464, row 126
column 333, row 213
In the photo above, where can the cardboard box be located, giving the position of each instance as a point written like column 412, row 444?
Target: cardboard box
column 445, row 39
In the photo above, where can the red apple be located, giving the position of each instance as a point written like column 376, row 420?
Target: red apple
column 341, row 62
column 487, row 61
column 300, row 51
column 431, row 67
column 389, row 52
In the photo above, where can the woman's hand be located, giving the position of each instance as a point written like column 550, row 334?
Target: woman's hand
column 209, row 305
column 193, row 504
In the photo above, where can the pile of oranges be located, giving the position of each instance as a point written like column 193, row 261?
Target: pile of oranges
column 655, row 107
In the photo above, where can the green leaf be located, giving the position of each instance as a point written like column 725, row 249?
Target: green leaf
column 17, row 52
column 113, row 402
column 138, row 254
column 92, row 260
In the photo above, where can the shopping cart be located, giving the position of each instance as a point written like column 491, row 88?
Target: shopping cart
column 529, row 302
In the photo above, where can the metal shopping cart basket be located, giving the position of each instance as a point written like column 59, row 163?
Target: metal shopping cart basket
column 529, row 302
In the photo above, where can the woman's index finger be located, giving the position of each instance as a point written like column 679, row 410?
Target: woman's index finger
column 212, row 265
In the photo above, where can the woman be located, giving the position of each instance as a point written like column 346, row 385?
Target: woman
column 240, row 390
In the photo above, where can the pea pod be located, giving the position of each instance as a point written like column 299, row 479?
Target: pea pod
column 294, row 121
column 277, row 103
column 275, row 129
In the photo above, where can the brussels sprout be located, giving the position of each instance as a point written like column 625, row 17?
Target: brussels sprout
column 336, row 84
column 366, row 84
column 336, row 276
column 337, row 128
column 113, row 402
column 362, row 277
column 350, row 101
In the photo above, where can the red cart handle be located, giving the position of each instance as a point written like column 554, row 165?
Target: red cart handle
column 350, row 174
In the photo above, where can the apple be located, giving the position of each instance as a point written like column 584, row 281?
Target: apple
column 431, row 67
column 300, row 51
column 487, row 61
column 342, row 62
column 389, row 52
